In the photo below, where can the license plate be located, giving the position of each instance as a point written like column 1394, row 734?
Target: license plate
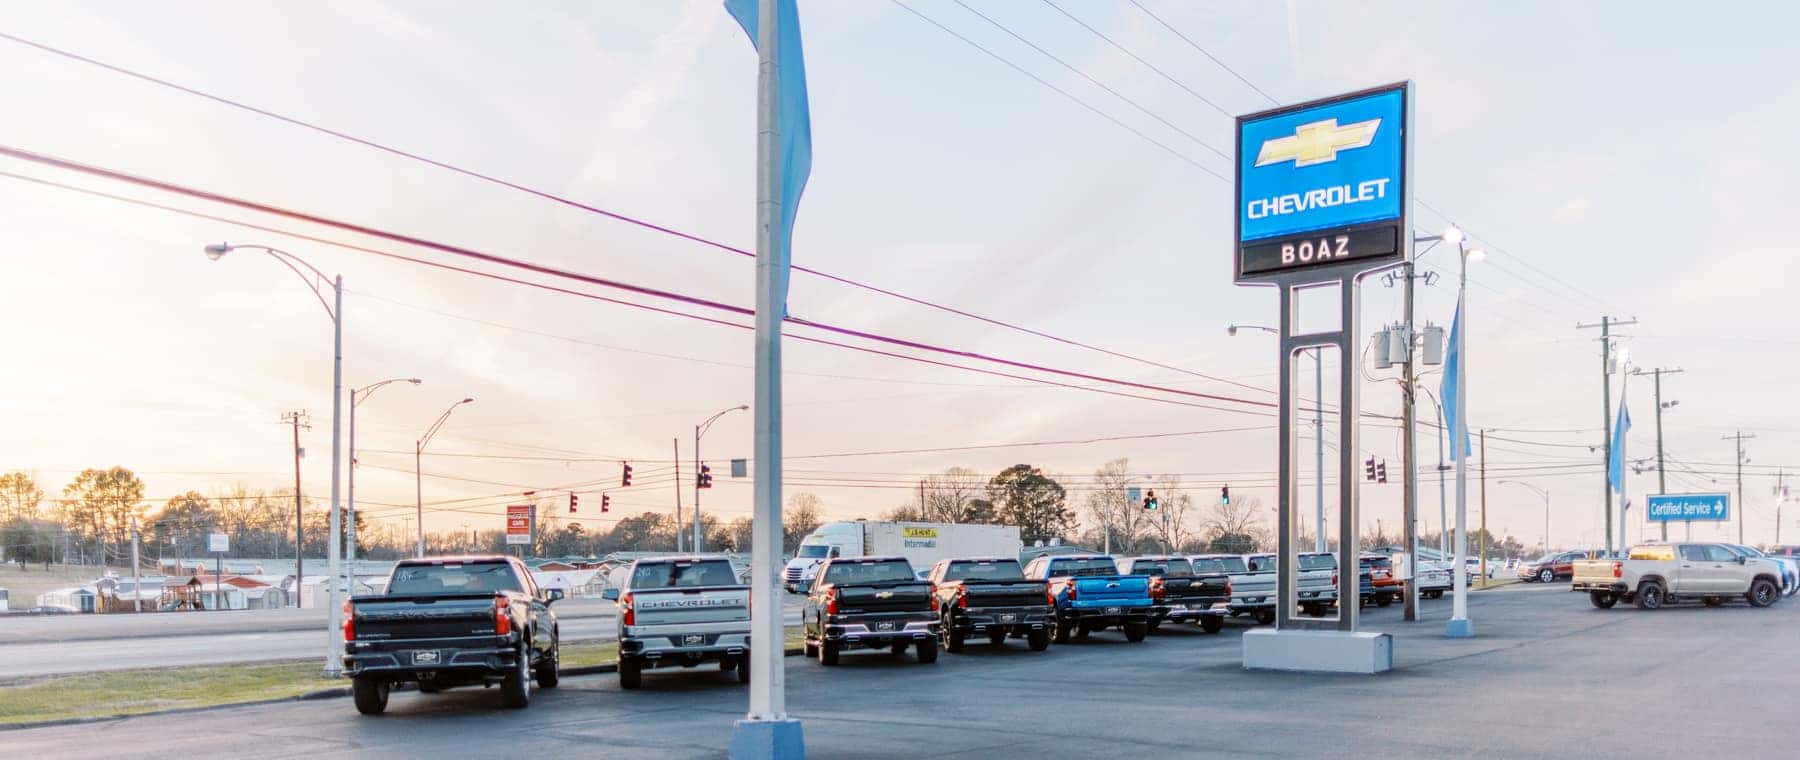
column 1112, row 610
column 884, row 626
column 1254, row 600
column 1008, row 618
column 425, row 657
column 1308, row 594
column 693, row 639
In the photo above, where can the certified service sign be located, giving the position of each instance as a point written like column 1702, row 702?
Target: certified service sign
column 1323, row 183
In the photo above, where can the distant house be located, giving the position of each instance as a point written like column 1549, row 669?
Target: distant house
column 552, row 566
column 81, row 598
column 128, row 595
column 572, row 582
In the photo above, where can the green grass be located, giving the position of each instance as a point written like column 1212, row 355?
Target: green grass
column 135, row 692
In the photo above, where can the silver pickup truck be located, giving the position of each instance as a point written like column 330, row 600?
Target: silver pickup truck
column 682, row 611
column 1252, row 582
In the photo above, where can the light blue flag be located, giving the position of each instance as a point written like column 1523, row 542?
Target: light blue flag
column 1459, row 444
column 1615, row 465
column 794, row 153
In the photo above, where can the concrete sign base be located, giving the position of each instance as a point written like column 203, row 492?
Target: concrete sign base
column 767, row 740
column 1459, row 629
column 1318, row 651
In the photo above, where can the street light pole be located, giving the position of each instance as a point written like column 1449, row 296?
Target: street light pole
column 700, row 430
column 1546, row 495
column 350, row 477
column 419, row 472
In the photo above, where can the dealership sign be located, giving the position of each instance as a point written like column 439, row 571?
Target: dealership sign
column 1688, row 506
column 1323, row 183
column 518, row 524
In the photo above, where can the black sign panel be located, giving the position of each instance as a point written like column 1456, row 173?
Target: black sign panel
column 1320, row 248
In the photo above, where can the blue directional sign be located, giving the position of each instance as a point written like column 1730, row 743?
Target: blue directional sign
column 1681, row 507
column 1323, row 182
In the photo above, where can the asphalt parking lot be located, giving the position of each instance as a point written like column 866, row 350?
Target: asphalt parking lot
column 1548, row 676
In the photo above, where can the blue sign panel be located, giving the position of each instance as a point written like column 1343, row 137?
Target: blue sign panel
column 1682, row 507
column 1332, row 165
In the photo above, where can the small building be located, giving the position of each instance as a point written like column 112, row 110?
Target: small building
column 573, row 583
column 79, row 598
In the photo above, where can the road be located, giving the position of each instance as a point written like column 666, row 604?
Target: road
column 111, row 642
column 1548, row 677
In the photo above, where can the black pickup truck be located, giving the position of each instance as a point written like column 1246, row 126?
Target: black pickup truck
column 1183, row 595
column 872, row 602
column 452, row 621
column 990, row 597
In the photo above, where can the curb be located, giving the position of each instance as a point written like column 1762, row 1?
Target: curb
column 336, row 692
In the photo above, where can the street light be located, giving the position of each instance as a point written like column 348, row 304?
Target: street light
column 335, row 310
column 418, row 471
column 357, row 396
column 1459, row 626
column 1443, row 510
column 700, row 430
column 1318, row 432
column 1546, row 495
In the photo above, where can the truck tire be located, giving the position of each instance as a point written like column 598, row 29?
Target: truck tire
column 1603, row 599
column 1039, row 639
column 515, row 688
column 1546, row 575
column 1063, row 630
column 1383, row 600
column 631, row 673
column 1762, row 593
column 1649, row 595
column 549, row 667
column 743, row 668
column 953, row 638
column 1212, row 623
column 371, row 695
column 809, row 649
column 1136, row 630
column 828, row 654
column 928, row 650
column 1155, row 625
column 1265, row 617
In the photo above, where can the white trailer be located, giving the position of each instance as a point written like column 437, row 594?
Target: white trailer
column 922, row 544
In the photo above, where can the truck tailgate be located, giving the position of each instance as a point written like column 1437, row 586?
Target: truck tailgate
column 899, row 596
column 1598, row 571
column 423, row 617
column 1003, row 593
column 1120, row 587
column 700, row 604
column 1199, row 587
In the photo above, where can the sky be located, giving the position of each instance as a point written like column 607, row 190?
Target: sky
column 1612, row 162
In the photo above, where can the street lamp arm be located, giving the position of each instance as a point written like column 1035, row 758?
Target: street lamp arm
column 1540, row 491
column 292, row 262
column 359, row 395
column 442, row 418
column 707, row 425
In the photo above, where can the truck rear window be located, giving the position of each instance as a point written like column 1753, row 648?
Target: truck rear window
column 683, row 574
column 1083, row 567
column 1227, row 565
column 453, row 578
column 1262, row 563
column 998, row 570
column 1653, row 552
column 1317, row 562
column 885, row 571
column 1172, row 568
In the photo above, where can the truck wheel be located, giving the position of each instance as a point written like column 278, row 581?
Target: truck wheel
column 1649, row 596
column 828, row 654
column 1384, row 600
column 1155, row 625
column 1603, row 599
column 1136, row 630
column 1082, row 631
column 549, row 668
column 1212, row 623
column 1711, row 601
column 515, row 688
column 1762, row 593
column 1265, row 617
column 1062, row 632
column 1546, row 575
column 743, row 668
column 928, row 650
column 997, row 637
column 809, row 649
column 371, row 695
column 953, row 638
column 631, row 673
column 1039, row 639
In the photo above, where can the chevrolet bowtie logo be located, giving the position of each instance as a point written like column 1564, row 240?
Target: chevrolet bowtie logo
column 1317, row 143
column 883, row 594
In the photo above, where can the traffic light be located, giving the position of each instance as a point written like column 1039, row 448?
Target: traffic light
column 572, row 501
column 1369, row 470
column 605, row 503
column 1150, row 502
column 1225, row 494
column 1381, row 472
column 704, row 479
column 625, row 476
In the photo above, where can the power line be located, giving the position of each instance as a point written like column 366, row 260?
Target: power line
column 1203, row 51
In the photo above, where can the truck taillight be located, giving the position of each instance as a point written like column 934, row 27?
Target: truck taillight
column 831, row 601
column 935, row 602
column 1334, row 580
column 1156, row 588
column 1618, row 569
column 1228, row 586
column 1071, row 589
column 349, row 621
column 627, row 615
column 962, row 599
column 502, row 616
column 1050, row 593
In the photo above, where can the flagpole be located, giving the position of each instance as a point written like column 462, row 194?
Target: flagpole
column 1459, row 626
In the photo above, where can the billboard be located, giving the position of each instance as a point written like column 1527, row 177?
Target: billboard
column 518, row 525
column 1323, row 183
column 1682, row 507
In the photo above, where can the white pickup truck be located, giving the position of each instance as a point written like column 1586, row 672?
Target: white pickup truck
column 1652, row 575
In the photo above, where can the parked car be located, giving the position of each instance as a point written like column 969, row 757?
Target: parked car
column 871, row 603
column 451, row 621
column 1550, row 567
column 1252, row 583
column 1183, row 595
column 681, row 612
column 1653, row 575
column 1384, row 588
column 990, row 597
column 1090, row 595
column 1434, row 579
column 1316, row 586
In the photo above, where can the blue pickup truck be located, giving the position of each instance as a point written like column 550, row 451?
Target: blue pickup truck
column 1090, row 595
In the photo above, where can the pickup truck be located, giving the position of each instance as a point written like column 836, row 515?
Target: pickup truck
column 1652, row 575
column 1316, row 586
column 681, row 612
column 990, row 597
column 1090, row 595
column 1184, row 595
column 1383, row 588
column 452, row 621
column 1252, row 583
column 871, row 602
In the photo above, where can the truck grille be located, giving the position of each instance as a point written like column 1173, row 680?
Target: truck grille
column 792, row 576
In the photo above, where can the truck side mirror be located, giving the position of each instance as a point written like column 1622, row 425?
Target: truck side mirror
column 1743, row 560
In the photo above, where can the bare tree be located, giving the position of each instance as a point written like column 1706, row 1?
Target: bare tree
column 1108, row 506
column 955, row 497
column 1177, row 524
column 801, row 517
column 1242, row 517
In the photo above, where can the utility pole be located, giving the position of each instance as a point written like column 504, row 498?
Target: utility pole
column 1409, row 496
column 677, row 441
column 298, row 419
column 1606, row 325
column 1740, row 438
column 1484, row 533
column 137, row 590
column 1780, row 496
column 1661, row 481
